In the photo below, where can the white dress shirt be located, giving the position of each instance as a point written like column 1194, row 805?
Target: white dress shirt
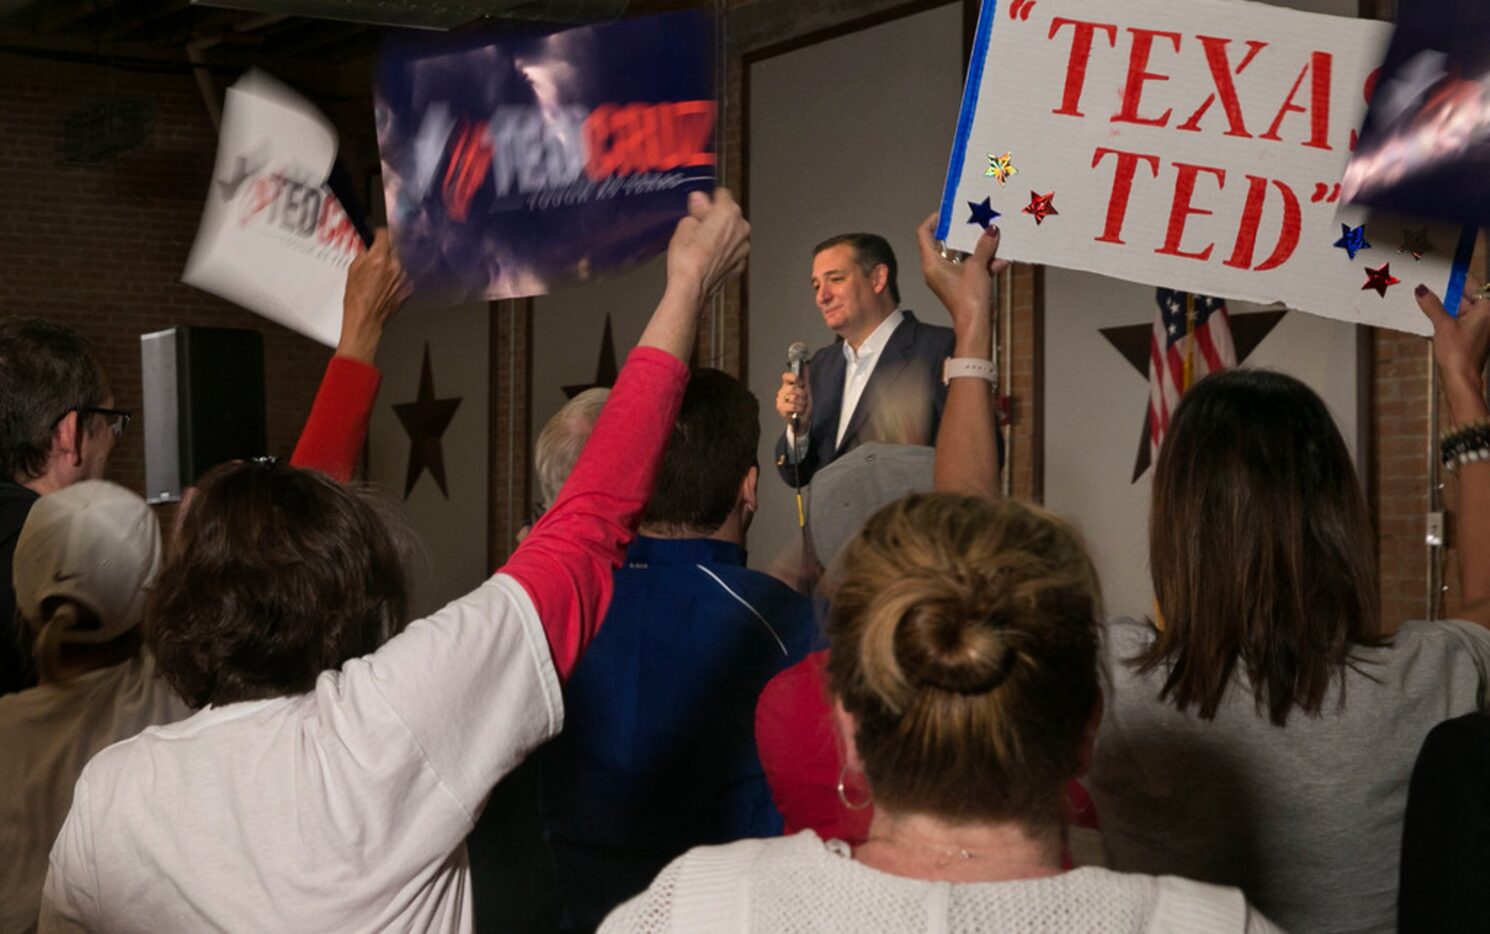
column 858, row 368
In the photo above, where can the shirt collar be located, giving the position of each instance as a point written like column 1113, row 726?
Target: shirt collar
column 876, row 341
column 647, row 551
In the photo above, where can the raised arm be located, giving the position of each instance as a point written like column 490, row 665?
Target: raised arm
column 1460, row 347
column 331, row 441
column 565, row 563
column 966, row 444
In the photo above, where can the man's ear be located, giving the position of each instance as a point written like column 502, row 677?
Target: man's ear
column 749, row 488
column 879, row 278
column 67, row 440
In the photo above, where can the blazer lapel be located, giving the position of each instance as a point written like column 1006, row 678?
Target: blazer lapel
column 886, row 370
column 826, row 383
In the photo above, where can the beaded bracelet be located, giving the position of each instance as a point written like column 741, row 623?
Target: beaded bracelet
column 1463, row 443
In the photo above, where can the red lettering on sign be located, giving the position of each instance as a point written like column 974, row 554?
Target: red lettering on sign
column 1139, row 75
column 1076, row 63
column 624, row 140
column 1219, row 62
column 1122, row 188
column 1182, row 208
column 1318, row 71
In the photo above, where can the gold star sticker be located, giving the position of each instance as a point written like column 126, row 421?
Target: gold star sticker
column 1000, row 167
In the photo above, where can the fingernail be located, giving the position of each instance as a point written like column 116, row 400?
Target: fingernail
column 1420, row 291
column 991, row 231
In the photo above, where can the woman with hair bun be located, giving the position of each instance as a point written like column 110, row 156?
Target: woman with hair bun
column 964, row 670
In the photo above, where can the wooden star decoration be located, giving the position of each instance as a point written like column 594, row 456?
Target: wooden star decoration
column 605, row 368
column 425, row 420
column 1132, row 341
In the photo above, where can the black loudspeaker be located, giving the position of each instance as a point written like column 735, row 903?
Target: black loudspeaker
column 204, row 404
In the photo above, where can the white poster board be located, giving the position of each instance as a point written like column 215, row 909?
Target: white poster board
column 1190, row 144
column 273, row 238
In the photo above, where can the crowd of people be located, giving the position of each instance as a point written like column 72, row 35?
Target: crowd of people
column 243, row 729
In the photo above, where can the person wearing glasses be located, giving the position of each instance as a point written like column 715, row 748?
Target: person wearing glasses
column 57, row 427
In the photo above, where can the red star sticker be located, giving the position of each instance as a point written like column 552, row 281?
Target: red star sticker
column 1380, row 279
column 1041, row 206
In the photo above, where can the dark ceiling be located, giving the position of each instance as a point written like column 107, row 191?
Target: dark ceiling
column 327, row 32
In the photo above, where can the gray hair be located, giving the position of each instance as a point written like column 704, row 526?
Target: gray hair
column 561, row 440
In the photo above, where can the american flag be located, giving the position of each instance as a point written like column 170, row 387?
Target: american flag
column 1181, row 351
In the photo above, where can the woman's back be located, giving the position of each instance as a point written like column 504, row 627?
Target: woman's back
column 801, row 883
column 1305, row 818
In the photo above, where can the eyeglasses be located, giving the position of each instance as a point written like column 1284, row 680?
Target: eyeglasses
column 117, row 419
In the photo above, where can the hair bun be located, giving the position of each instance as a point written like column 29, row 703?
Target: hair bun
column 944, row 647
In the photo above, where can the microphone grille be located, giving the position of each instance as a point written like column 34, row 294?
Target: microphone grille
column 797, row 352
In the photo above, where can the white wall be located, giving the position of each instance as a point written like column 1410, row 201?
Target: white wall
column 848, row 134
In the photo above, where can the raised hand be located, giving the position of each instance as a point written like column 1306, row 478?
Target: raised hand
column 377, row 286
column 965, row 288
column 710, row 245
column 1461, row 346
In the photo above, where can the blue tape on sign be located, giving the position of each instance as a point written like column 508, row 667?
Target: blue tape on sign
column 1462, row 254
column 965, row 119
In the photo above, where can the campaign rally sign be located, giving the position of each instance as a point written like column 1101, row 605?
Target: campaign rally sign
column 512, row 165
column 1425, row 147
column 1197, row 145
column 273, row 237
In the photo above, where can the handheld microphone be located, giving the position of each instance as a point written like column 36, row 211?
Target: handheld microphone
column 796, row 355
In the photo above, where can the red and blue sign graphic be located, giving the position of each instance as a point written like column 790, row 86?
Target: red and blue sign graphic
column 513, row 165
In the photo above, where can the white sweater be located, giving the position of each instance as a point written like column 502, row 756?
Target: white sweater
column 800, row 883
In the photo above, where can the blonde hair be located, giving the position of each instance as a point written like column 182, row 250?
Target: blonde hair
column 964, row 642
column 562, row 438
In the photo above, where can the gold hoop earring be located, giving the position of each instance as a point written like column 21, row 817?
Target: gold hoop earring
column 843, row 795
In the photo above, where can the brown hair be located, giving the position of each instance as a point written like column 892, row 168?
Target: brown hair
column 710, row 450
column 1260, row 547
column 964, row 642
column 278, row 574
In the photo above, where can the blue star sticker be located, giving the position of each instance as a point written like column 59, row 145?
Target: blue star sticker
column 1352, row 239
column 983, row 214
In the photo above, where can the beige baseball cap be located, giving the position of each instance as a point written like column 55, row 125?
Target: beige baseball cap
column 96, row 543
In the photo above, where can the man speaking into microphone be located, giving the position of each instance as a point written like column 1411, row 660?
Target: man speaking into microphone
column 880, row 380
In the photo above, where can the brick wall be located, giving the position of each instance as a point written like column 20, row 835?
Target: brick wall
column 101, row 247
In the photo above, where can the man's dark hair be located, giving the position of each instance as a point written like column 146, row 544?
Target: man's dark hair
column 46, row 370
column 278, row 574
column 870, row 250
column 711, row 449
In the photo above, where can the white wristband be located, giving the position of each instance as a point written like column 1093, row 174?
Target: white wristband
column 974, row 367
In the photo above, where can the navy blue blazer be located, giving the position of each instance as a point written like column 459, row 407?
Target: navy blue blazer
column 902, row 404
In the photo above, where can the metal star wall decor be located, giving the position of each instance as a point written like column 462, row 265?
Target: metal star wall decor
column 425, row 420
column 1132, row 341
column 605, row 368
